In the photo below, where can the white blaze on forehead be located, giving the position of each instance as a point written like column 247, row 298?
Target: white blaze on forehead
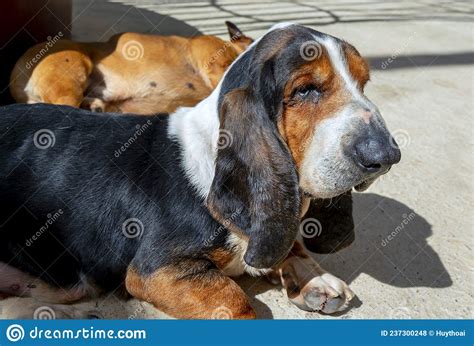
column 339, row 63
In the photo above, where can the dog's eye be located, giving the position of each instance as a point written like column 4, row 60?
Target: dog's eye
column 305, row 92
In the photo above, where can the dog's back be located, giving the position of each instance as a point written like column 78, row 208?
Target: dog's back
column 131, row 73
column 60, row 165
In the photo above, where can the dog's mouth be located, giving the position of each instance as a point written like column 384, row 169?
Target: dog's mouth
column 359, row 186
column 367, row 182
column 364, row 185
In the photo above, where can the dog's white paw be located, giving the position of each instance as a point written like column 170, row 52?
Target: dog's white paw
column 311, row 288
column 325, row 293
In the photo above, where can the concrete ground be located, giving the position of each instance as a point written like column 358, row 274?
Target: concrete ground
column 421, row 53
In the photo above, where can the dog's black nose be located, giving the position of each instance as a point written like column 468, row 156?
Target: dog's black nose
column 376, row 154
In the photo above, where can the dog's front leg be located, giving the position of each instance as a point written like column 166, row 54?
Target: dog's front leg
column 190, row 289
column 309, row 286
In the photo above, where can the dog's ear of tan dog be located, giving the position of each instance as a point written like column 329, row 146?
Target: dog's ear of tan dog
column 213, row 55
column 237, row 37
column 130, row 73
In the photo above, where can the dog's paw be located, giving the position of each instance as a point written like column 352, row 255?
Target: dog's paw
column 311, row 288
column 93, row 104
column 325, row 293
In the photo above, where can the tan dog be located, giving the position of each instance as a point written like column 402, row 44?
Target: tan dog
column 131, row 73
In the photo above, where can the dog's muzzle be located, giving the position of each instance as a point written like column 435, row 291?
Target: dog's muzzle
column 373, row 150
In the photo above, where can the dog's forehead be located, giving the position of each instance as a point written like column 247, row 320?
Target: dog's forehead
column 294, row 48
column 289, row 46
column 290, row 38
column 285, row 45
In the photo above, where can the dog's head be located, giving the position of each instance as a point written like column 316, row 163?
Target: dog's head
column 298, row 123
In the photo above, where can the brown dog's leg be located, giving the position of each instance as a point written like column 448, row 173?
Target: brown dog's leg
column 30, row 308
column 191, row 290
column 39, row 300
column 61, row 78
column 14, row 282
column 309, row 286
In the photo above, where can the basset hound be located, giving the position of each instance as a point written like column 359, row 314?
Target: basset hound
column 131, row 73
column 209, row 193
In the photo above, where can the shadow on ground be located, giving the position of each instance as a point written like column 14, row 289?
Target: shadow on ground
column 391, row 246
column 420, row 60
column 90, row 23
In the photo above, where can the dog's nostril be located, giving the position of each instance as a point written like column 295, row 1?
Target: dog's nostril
column 372, row 155
column 373, row 166
column 370, row 167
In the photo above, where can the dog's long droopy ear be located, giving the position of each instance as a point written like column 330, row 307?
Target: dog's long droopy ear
column 335, row 221
column 237, row 37
column 255, row 187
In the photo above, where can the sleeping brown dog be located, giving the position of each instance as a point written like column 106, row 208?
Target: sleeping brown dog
column 131, row 73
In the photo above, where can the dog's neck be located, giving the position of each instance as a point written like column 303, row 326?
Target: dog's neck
column 196, row 129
